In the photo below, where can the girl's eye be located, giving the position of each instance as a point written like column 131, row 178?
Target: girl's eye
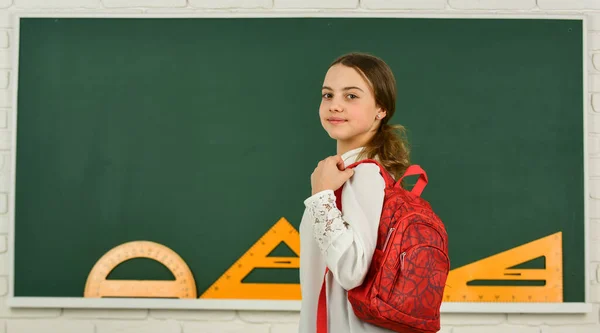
column 326, row 95
column 352, row 96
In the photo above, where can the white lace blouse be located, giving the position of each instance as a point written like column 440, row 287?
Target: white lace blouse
column 344, row 243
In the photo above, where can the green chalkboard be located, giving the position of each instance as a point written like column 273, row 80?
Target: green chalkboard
column 201, row 133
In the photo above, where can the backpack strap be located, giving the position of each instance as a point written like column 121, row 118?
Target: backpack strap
column 322, row 325
column 389, row 181
column 415, row 170
column 412, row 170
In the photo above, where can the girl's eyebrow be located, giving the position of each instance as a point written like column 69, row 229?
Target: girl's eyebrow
column 346, row 88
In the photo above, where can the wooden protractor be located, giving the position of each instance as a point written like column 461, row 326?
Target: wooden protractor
column 230, row 285
column 98, row 286
column 499, row 269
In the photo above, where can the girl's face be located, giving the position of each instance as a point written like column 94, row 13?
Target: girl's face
column 348, row 110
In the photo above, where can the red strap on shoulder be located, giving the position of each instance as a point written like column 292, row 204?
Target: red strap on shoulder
column 412, row 170
column 322, row 308
column 322, row 303
column 389, row 181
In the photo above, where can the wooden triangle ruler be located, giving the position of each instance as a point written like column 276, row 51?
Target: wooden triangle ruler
column 230, row 285
column 499, row 270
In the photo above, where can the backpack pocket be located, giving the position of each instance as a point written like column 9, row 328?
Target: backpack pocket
column 418, row 286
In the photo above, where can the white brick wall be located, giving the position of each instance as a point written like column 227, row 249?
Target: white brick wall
column 105, row 314
column 193, row 315
column 594, row 38
column 492, row 4
column 237, row 326
column 557, row 319
column 561, row 4
column 403, row 4
column 189, row 321
column 136, row 326
column 453, row 319
column 233, row 4
column 45, row 325
column 313, row 4
column 144, row 3
column 571, row 329
column 54, row 3
column 496, row 329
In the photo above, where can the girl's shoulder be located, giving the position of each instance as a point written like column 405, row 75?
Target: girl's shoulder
column 371, row 169
column 367, row 173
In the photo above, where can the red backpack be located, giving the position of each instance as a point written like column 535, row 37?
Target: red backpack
column 405, row 283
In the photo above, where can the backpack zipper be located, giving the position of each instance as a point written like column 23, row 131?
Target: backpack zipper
column 387, row 239
column 402, row 255
column 401, row 261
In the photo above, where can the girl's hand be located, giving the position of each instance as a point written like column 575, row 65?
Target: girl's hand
column 329, row 174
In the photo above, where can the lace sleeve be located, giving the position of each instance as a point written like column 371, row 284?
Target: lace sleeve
column 328, row 220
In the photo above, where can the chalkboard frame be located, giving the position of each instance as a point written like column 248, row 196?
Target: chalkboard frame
column 68, row 302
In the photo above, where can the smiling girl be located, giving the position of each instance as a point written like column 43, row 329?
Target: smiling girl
column 358, row 100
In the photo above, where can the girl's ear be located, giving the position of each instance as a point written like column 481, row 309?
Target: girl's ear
column 381, row 113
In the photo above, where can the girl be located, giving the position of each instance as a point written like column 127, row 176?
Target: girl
column 358, row 99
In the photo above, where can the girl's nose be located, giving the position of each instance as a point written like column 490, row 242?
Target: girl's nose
column 335, row 107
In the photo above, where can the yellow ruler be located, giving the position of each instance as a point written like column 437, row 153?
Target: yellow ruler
column 183, row 286
column 230, row 286
column 497, row 268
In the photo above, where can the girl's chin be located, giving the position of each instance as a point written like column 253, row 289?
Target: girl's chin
column 336, row 135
